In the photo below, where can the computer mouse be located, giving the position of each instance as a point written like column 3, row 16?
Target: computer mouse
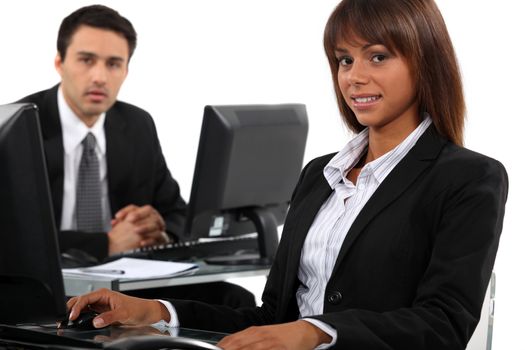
column 73, row 258
column 84, row 321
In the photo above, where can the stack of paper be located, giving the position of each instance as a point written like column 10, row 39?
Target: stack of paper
column 135, row 268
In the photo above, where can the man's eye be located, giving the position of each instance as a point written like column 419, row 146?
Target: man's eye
column 86, row 60
column 114, row 64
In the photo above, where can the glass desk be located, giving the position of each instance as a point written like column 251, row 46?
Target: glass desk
column 139, row 337
column 80, row 284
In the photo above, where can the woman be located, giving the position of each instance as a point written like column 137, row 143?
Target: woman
column 390, row 243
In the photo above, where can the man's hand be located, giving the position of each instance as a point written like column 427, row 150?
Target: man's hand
column 295, row 335
column 117, row 308
column 123, row 236
column 135, row 227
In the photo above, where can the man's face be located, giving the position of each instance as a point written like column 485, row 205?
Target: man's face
column 93, row 70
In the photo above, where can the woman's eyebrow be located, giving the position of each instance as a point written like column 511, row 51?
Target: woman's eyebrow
column 361, row 48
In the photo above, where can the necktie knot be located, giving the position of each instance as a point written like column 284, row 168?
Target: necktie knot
column 89, row 143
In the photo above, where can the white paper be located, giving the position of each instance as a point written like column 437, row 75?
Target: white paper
column 135, row 268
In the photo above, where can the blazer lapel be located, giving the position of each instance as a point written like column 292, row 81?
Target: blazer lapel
column 53, row 148
column 119, row 156
column 402, row 176
column 307, row 212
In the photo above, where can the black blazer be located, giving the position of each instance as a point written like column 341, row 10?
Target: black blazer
column 414, row 267
column 137, row 172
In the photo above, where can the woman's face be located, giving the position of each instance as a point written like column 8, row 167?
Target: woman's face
column 378, row 86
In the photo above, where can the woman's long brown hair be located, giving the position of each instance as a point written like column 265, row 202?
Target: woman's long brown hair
column 416, row 30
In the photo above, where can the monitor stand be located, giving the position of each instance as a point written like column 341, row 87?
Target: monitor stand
column 267, row 238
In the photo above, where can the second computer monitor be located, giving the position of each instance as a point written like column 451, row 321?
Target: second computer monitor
column 248, row 163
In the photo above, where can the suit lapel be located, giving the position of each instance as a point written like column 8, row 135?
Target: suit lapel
column 53, row 148
column 119, row 155
column 402, row 176
column 307, row 212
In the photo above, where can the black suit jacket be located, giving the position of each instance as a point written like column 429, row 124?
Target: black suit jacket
column 414, row 267
column 136, row 169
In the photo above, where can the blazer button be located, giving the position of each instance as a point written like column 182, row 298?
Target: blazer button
column 334, row 298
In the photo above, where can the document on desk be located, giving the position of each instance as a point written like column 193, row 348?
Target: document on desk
column 135, row 268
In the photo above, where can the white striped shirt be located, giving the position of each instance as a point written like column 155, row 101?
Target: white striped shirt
column 337, row 214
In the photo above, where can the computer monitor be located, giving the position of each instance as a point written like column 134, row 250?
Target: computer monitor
column 248, row 163
column 31, row 284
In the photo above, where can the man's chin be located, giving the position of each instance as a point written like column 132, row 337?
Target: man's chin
column 96, row 109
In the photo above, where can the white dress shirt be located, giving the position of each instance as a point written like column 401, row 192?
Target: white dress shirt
column 334, row 219
column 73, row 132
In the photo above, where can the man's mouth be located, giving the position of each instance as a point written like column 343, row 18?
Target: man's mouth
column 96, row 95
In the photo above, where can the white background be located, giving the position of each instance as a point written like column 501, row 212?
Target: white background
column 193, row 53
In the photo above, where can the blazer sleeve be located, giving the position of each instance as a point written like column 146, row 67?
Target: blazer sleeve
column 137, row 170
column 198, row 315
column 449, row 296
column 167, row 199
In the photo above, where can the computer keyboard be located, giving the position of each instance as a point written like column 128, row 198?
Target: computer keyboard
column 191, row 250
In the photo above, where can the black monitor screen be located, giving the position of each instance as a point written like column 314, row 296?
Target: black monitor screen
column 31, row 282
column 248, row 163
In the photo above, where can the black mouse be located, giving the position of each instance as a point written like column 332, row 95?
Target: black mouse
column 84, row 321
column 73, row 258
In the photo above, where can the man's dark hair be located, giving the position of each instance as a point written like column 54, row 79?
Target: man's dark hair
column 97, row 16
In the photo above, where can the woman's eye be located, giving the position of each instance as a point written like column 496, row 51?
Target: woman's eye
column 379, row 58
column 345, row 61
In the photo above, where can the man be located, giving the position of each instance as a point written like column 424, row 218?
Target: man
column 111, row 188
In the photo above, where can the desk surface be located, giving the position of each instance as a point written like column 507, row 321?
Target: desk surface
column 77, row 285
column 77, row 338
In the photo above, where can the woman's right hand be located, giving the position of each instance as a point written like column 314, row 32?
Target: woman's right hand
column 117, row 308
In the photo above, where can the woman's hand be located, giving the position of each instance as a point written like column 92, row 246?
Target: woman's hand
column 117, row 308
column 295, row 335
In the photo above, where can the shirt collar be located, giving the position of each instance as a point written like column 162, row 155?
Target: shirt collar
column 74, row 130
column 337, row 168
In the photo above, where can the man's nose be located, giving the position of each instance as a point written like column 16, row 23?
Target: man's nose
column 99, row 74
